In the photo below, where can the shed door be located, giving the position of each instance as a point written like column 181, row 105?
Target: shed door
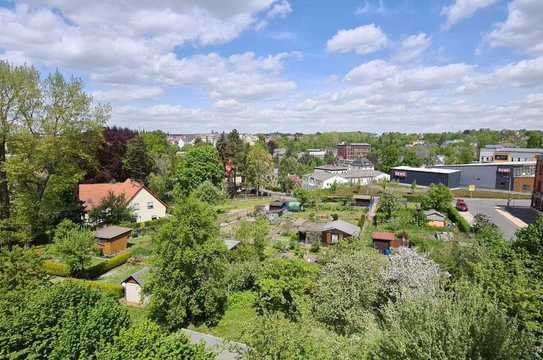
column 132, row 293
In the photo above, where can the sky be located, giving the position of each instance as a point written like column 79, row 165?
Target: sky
column 191, row 66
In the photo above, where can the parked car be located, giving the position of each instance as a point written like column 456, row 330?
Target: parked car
column 461, row 205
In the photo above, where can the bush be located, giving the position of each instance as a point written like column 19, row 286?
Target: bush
column 55, row 268
column 92, row 272
column 115, row 290
column 456, row 218
column 282, row 245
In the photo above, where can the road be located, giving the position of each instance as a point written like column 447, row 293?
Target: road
column 508, row 220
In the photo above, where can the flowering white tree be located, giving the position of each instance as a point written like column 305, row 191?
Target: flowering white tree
column 410, row 274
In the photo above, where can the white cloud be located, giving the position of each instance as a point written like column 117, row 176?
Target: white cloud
column 462, row 9
column 363, row 40
column 412, row 48
column 372, row 71
column 523, row 28
column 122, row 93
column 278, row 10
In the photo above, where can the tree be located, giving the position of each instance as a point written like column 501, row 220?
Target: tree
column 199, row 164
column 281, row 284
column 438, row 197
column 389, row 204
column 137, row 163
column 222, row 148
column 303, row 196
column 60, row 321
column 460, row 325
column 209, row 193
column 74, row 245
column 51, row 149
column 146, row 340
column 348, row 289
column 20, row 269
column 254, row 234
column 410, row 275
column 237, row 152
column 109, row 156
column 19, row 90
column 530, row 239
column 259, row 167
column 187, row 280
column 535, row 140
column 113, row 209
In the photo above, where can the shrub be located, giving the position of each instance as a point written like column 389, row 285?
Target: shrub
column 55, row 268
column 456, row 218
column 115, row 290
column 94, row 271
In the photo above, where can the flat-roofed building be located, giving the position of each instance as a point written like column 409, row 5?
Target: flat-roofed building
column 497, row 153
column 426, row 176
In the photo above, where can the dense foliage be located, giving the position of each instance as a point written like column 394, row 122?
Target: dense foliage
column 200, row 163
column 74, row 244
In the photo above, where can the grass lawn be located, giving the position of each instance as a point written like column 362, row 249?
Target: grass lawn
column 239, row 313
column 489, row 194
column 243, row 203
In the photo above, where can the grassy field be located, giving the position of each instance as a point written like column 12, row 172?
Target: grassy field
column 240, row 312
column 243, row 203
column 118, row 274
column 489, row 194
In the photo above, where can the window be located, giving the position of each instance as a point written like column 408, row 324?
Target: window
column 150, row 205
column 135, row 206
column 154, row 217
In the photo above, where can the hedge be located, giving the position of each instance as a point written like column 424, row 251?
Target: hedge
column 55, row 268
column 112, row 289
column 455, row 217
column 92, row 272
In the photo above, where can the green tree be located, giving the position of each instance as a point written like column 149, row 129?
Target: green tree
column 74, row 244
column 535, row 140
column 347, row 290
column 259, row 167
column 59, row 321
column 438, row 197
column 530, row 239
column 199, row 164
column 20, row 269
column 187, row 280
column 209, row 193
column 112, row 210
column 146, row 340
column 389, row 204
column 51, row 149
column 255, row 234
column 137, row 163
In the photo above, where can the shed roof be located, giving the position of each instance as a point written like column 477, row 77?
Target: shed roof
column 433, row 214
column 308, row 226
column 362, row 197
column 382, row 235
column 343, row 226
column 110, row 232
column 217, row 345
column 138, row 276
column 231, row 243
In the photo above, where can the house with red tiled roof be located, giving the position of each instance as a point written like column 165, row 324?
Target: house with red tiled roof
column 144, row 204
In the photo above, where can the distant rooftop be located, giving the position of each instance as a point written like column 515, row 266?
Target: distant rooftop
column 520, row 163
column 512, row 149
column 429, row 170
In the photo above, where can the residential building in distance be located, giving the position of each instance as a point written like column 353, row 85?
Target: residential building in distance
column 144, row 204
column 317, row 153
column 511, row 176
column 537, row 194
column 426, row 176
column 500, row 153
column 323, row 177
column 279, row 153
column 351, row 151
column 186, row 139
column 360, row 163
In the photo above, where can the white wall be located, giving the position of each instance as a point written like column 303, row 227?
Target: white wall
column 139, row 205
column 132, row 293
column 336, row 179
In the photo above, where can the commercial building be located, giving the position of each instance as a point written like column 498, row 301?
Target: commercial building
column 497, row 153
column 537, row 195
column 426, row 176
column 351, row 151
column 511, row 176
column 325, row 176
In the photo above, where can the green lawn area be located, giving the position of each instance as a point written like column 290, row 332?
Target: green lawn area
column 489, row 194
column 239, row 313
column 243, row 203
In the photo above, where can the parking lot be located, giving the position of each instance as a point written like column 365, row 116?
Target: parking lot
column 508, row 220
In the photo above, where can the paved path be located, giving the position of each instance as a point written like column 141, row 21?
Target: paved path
column 508, row 220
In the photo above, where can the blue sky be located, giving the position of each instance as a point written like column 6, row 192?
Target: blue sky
column 286, row 65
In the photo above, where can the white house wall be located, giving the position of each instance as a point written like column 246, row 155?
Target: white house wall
column 139, row 205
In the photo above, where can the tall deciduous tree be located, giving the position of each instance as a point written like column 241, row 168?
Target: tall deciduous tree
column 47, row 157
column 259, row 167
column 199, row 164
column 187, row 281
